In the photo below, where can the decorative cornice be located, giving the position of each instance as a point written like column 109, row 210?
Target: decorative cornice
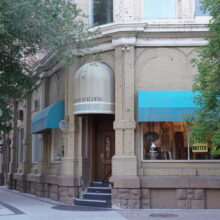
column 139, row 35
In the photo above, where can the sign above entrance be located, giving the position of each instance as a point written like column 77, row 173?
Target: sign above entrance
column 94, row 89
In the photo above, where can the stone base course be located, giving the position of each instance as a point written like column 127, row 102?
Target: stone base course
column 126, row 198
column 190, row 198
column 59, row 193
column 129, row 198
column 141, row 198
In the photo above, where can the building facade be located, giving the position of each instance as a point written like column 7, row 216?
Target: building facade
column 119, row 117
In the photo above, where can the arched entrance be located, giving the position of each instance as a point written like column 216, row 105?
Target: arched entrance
column 94, row 102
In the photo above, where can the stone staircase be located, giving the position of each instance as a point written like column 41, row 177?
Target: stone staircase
column 98, row 195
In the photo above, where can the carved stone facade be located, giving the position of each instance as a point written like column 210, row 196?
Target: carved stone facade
column 144, row 55
column 64, row 194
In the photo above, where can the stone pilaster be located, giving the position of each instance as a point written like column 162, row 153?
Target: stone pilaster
column 72, row 150
column 124, row 163
column 27, row 137
column 46, row 140
column 13, row 157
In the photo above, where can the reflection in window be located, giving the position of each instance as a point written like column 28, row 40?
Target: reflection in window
column 20, row 145
column 102, row 11
column 168, row 141
column 36, row 147
column 159, row 9
column 198, row 9
column 57, row 145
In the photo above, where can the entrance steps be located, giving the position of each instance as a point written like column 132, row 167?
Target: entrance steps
column 98, row 195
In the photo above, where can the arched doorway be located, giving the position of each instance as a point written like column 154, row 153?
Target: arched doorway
column 94, row 101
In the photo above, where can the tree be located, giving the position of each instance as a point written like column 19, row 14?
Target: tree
column 206, row 121
column 30, row 26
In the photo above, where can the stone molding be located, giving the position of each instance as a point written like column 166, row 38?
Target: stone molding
column 183, row 182
column 125, row 182
column 124, row 125
column 61, row 180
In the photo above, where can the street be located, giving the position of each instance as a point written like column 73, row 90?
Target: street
column 20, row 206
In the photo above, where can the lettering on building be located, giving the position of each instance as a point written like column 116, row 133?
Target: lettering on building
column 88, row 99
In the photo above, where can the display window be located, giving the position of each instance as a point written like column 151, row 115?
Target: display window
column 169, row 141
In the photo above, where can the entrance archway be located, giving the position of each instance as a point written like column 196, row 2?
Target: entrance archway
column 94, row 101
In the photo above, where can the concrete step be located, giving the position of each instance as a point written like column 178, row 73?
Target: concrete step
column 97, row 196
column 99, row 189
column 100, row 184
column 91, row 202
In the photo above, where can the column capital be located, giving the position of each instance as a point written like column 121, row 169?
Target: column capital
column 129, row 39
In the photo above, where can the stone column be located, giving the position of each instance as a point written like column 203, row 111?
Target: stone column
column 27, row 157
column 14, row 144
column 124, row 163
column 72, row 153
column 46, row 140
column 27, row 137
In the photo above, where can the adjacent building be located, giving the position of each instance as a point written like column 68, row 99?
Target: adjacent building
column 120, row 118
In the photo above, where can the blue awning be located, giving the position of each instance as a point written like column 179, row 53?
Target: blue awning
column 48, row 118
column 165, row 105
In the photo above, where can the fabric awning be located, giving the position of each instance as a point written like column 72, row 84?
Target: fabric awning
column 165, row 105
column 48, row 118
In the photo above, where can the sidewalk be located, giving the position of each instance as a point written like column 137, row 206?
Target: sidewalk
column 21, row 206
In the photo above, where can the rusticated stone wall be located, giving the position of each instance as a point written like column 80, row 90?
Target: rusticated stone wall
column 59, row 193
column 126, row 198
column 20, row 185
column 145, row 199
column 190, row 198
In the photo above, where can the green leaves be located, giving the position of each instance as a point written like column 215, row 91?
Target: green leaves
column 28, row 26
column 206, row 123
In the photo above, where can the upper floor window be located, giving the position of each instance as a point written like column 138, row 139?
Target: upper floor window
column 101, row 12
column 198, row 9
column 159, row 9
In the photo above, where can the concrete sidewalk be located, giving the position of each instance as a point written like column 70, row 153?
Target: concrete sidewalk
column 21, row 206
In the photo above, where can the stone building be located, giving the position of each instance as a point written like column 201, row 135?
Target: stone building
column 120, row 118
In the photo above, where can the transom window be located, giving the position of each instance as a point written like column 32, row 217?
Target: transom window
column 101, row 12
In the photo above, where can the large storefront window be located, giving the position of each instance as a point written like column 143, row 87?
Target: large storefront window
column 169, row 141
